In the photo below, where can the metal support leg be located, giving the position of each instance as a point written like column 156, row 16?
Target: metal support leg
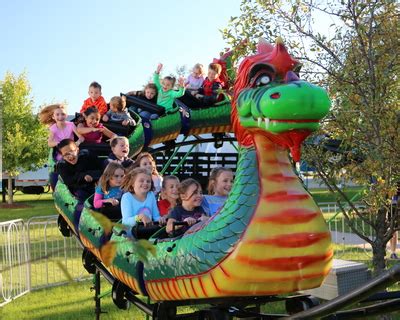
column 182, row 160
column 97, row 309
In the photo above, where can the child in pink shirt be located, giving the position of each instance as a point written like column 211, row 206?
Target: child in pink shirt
column 55, row 116
column 108, row 193
column 196, row 78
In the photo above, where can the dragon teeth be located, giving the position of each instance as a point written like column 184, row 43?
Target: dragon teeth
column 260, row 120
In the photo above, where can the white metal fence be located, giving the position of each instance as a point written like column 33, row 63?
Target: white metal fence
column 345, row 239
column 13, row 260
column 34, row 255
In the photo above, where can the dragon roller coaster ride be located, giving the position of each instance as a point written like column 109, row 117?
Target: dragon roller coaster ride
column 269, row 238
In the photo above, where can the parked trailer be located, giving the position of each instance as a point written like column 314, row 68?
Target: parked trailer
column 29, row 182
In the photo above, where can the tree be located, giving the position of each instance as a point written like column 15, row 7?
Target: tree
column 358, row 62
column 24, row 138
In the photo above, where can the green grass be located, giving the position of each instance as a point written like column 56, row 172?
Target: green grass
column 47, row 260
column 75, row 301
column 39, row 205
column 69, row 302
column 323, row 195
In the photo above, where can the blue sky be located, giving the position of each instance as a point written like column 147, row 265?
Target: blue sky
column 65, row 45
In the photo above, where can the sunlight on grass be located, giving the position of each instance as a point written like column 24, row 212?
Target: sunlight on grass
column 75, row 301
column 69, row 302
column 324, row 195
column 39, row 205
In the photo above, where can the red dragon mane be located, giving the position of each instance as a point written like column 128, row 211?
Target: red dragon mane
column 275, row 56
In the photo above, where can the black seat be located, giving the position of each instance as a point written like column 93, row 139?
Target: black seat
column 132, row 101
column 139, row 231
column 118, row 128
column 99, row 149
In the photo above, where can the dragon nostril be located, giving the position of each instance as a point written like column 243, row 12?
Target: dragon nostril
column 275, row 95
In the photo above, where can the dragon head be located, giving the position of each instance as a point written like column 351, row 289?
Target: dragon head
column 269, row 98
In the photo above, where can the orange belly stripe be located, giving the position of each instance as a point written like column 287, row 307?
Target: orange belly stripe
column 283, row 196
column 167, row 293
column 184, row 284
column 172, row 291
column 123, row 277
column 295, row 240
column 280, row 178
column 202, row 287
column 174, row 284
column 194, row 290
column 133, row 281
column 286, row 264
column 281, row 279
column 214, row 283
column 160, row 288
column 149, row 290
column 223, row 270
column 154, row 290
column 290, row 216
column 161, row 292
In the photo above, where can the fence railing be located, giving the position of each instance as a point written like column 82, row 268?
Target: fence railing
column 14, row 272
column 53, row 259
column 35, row 255
column 345, row 239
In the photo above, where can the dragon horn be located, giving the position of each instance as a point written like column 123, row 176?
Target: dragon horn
column 279, row 40
column 263, row 46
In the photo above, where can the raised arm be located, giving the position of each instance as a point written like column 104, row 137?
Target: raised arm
column 81, row 129
column 80, row 137
column 156, row 76
column 159, row 68
column 108, row 133
column 181, row 90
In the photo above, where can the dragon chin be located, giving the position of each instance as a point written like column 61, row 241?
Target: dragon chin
column 289, row 139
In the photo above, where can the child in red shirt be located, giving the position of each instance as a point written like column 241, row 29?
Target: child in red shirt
column 169, row 194
column 209, row 92
column 95, row 99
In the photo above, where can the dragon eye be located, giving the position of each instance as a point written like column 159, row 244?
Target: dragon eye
column 263, row 80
